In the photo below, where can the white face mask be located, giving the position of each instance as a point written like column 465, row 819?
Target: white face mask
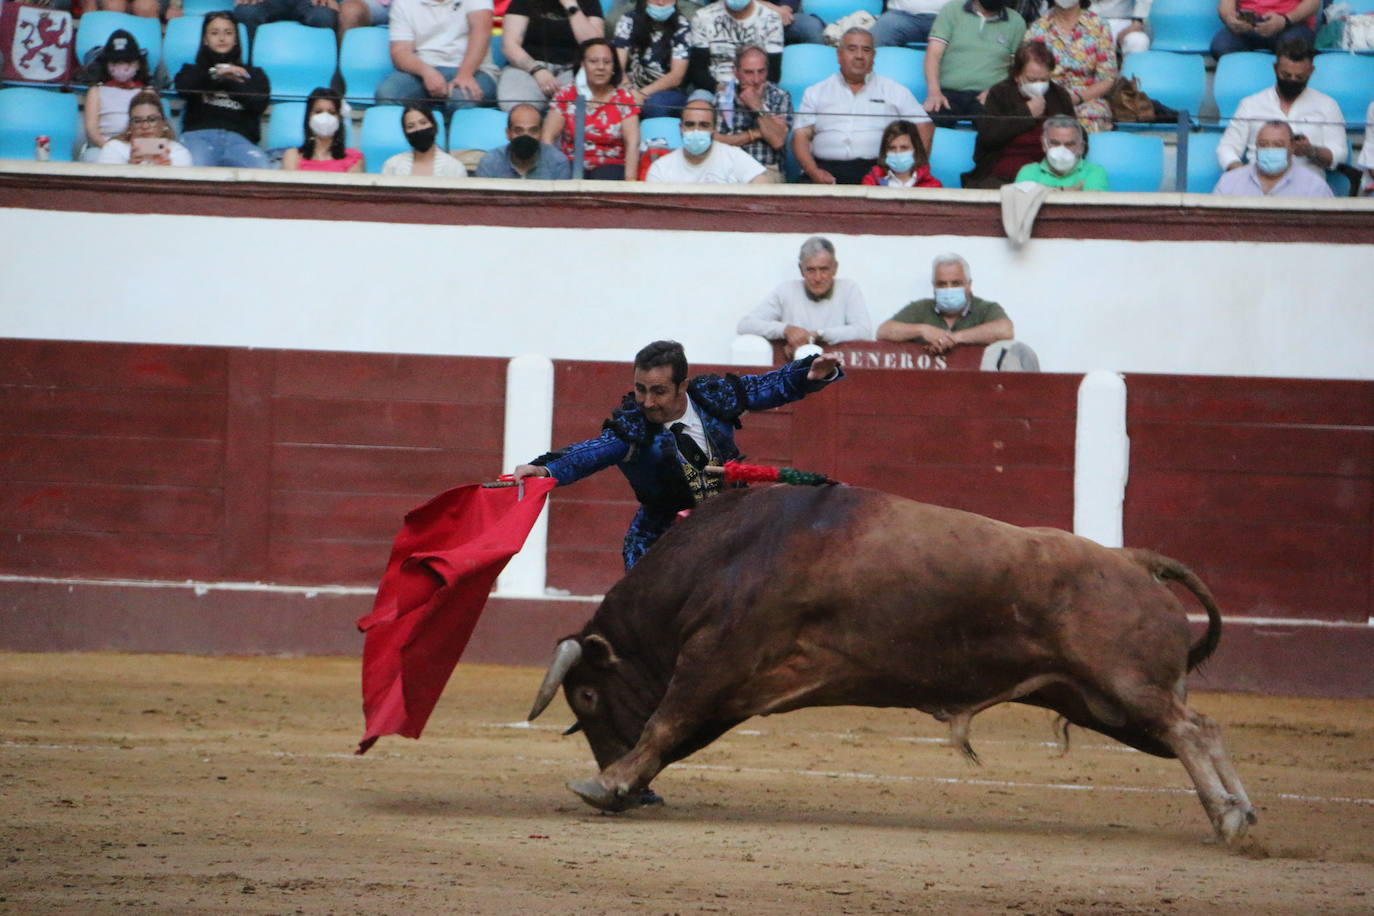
column 123, row 72
column 1061, row 159
column 1066, row 4
column 324, row 124
column 1038, row 88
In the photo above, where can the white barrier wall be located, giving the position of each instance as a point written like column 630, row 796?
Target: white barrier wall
column 1289, row 309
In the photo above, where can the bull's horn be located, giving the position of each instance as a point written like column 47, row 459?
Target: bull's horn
column 568, row 653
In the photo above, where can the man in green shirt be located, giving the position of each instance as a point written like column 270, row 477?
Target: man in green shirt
column 1063, row 165
column 971, row 44
column 953, row 317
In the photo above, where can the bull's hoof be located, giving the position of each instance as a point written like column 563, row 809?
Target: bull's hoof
column 598, row 796
column 1234, row 823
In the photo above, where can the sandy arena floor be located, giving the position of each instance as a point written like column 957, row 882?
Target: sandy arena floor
column 183, row 785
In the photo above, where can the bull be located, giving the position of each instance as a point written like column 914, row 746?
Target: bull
column 775, row 599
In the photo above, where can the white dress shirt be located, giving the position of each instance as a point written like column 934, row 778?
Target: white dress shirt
column 1313, row 114
column 840, row 317
column 849, row 125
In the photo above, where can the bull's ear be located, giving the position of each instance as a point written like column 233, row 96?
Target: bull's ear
column 598, row 652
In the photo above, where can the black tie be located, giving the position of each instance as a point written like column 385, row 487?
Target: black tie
column 687, row 446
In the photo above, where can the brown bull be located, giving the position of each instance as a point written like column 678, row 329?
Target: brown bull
column 769, row 600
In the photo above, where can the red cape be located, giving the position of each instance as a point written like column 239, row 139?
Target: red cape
column 442, row 567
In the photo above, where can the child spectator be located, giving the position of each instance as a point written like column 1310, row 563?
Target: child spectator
column 123, row 70
column 902, row 161
column 323, row 148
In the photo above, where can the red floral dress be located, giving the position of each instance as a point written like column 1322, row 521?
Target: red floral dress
column 1084, row 54
column 603, row 142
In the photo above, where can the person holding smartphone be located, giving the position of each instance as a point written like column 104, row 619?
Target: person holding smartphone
column 148, row 140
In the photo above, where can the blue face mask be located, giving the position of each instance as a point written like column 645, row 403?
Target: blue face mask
column 950, row 299
column 1271, row 160
column 737, row 5
column 901, row 162
column 660, row 13
column 696, row 142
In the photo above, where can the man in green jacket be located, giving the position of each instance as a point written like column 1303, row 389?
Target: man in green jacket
column 1063, row 165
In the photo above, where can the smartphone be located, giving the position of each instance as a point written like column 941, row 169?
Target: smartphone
column 151, row 147
column 1247, row 16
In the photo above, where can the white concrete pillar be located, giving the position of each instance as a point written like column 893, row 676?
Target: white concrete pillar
column 751, row 350
column 529, row 433
column 1102, row 455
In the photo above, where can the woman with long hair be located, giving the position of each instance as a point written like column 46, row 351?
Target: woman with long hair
column 611, row 138
column 902, row 161
column 1014, row 115
column 123, row 74
column 149, row 138
column 424, row 156
column 651, row 42
column 323, row 149
column 224, row 97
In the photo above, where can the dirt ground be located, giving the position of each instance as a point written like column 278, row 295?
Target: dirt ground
column 178, row 784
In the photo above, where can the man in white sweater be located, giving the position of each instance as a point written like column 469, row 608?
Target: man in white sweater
column 818, row 308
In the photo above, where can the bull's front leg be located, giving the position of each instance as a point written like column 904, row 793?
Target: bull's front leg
column 620, row 785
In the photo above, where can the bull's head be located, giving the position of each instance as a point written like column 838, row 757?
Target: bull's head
column 610, row 709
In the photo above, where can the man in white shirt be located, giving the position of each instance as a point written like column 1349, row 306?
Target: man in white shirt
column 440, row 49
column 906, row 22
column 817, row 309
column 1318, row 125
column 840, row 122
column 1272, row 172
column 703, row 161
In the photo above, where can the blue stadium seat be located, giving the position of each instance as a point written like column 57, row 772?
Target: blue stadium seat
column 1203, row 170
column 1238, row 75
column 26, row 114
column 906, row 66
column 95, row 29
column 297, row 58
column 201, row 7
column 831, row 10
column 364, row 61
column 667, row 129
column 286, row 126
column 951, row 155
column 498, row 56
column 1176, row 80
column 182, row 41
column 1134, row 162
column 1186, row 26
column 1339, row 183
column 805, row 65
column 477, row 128
column 383, row 136
column 1349, row 79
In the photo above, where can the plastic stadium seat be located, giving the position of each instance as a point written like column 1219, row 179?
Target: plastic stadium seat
column 667, row 129
column 95, row 29
column 182, row 41
column 383, row 137
column 1176, row 80
column 477, row 128
column 1349, row 79
column 906, row 66
column 26, row 114
column 805, row 65
column 286, row 126
column 1339, row 182
column 364, row 61
column 1134, row 162
column 951, row 154
column 1183, row 25
column 1203, row 170
column 498, row 56
column 831, row 10
column 201, row 7
column 297, row 58
column 1238, row 75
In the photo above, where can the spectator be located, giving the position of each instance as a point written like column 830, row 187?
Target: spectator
column 651, row 42
column 902, row 163
column 540, row 39
column 440, row 51
column 1125, row 19
column 720, row 30
column 151, row 9
column 701, row 160
column 148, row 139
column 954, row 317
column 1064, row 144
column 611, row 136
column 424, row 156
column 1271, row 173
column 323, row 149
column 798, row 26
column 1366, row 160
column 906, row 22
column 1085, row 58
column 1263, row 25
column 818, row 308
column 1316, row 119
column 356, row 14
column 1009, row 133
column 524, row 156
column 753, row 113
column 319, row 14
column 224, row 99
column 971, row 44
column 123, row 70
column 841, row 120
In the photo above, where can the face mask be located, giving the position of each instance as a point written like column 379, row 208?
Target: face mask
column 901, row 162
column 1061, row 159
column 1290, row 89
column 422, row 139
column 950, row 299
column 123, row 72
column 660, row 13
column 696, row 142
column 324, row 124
column 1066, row 4
column 736, row 6
column 1271, row 160
column 992, row 6
column 524, row 148
column 1037, row 88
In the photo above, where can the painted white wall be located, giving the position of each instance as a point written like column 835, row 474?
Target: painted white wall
column 1291, row 309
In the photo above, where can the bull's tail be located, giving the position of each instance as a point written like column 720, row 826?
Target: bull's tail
column 1166, row 569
